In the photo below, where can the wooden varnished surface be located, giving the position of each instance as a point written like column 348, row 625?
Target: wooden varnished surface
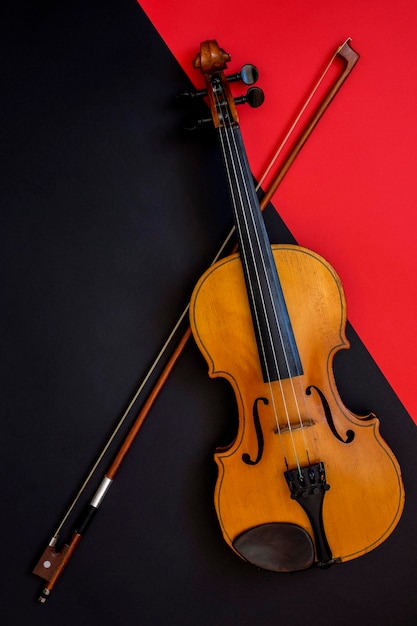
column 365, row 499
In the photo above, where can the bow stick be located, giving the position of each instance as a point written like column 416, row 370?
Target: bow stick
column 52, row 562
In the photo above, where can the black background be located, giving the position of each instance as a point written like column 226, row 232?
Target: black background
column 109, row 215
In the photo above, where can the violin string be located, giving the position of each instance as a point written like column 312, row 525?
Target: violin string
column 263, row 350
column 237, row 164
column 277, row 321
column 250, row 287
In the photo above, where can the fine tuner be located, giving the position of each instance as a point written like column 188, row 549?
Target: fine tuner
column 254, row 96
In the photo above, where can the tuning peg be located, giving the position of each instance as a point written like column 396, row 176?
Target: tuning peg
column 192, row 123
column 248, row 75
column 254, row 97
column 186, row 96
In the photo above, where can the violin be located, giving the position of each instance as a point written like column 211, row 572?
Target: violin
column 305, row 482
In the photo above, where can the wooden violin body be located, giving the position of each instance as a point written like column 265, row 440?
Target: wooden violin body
column 259, row 518
column 305, row 481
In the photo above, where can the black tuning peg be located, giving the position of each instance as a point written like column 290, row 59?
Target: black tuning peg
column 254, row 97
column 187, row 96
column 248, row 75
column 192, row 123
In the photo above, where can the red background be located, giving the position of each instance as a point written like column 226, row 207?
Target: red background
column 351, row 193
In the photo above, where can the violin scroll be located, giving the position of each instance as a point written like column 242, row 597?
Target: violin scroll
column 211, row 58
column 212, row 61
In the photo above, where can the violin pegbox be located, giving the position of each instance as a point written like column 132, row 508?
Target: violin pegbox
column 212, row 61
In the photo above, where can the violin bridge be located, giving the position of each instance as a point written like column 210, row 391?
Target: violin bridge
column 290, row 426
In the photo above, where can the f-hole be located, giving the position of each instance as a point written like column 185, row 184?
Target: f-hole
column 259, row 434
column 350, row 435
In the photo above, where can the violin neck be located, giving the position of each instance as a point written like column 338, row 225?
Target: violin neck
column 277, row 348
